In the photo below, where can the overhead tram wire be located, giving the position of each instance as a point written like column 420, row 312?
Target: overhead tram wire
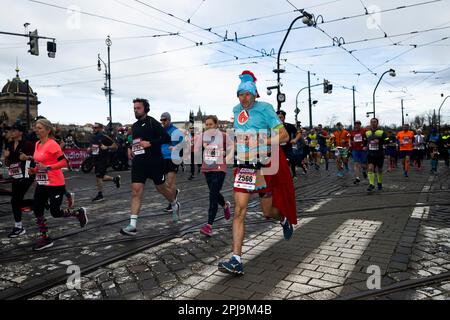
column 152, row 72
column 411, row 49
column 338, row 19
column 365, row 40
column 284, row 52
column 378, row 25
column 122, row 21
column 100, row 16
column 210, row 31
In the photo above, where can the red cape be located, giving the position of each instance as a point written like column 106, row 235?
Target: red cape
column 283, row 191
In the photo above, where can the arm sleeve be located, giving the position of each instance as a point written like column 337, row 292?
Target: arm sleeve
column 272, row 118
column 160, row 135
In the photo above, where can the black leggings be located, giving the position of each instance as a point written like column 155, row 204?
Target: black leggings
column 215, row 182
column 53, row 195
column 19, row 188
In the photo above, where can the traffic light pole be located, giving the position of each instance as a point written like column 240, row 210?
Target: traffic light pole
column 109, row 43
column 28, row 105
column 298, row 93
column 403, row 116
column 309, row 100
column 354, row 106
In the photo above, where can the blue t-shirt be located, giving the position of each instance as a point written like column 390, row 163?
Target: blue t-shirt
column 261, row 116
column 176, row 136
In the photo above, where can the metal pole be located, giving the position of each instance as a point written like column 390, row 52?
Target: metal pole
column 108, row 43
column 28, row 105
column 354, row 106
column 278, row 59
column 439, row 113
column 375, row 91
column 309, row 101
column 403, row 116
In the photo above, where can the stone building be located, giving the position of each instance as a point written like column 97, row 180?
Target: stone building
column 13, row 101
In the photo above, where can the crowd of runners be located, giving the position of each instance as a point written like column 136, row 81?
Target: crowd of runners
column 264, row 151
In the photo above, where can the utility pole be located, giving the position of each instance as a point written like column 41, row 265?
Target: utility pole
column 109, row 43
column 403, row 116
column 354, row 106
column 107, row 88
column 28, row 105
column 309, row 101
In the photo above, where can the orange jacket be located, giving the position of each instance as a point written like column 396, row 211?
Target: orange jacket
column 342, row 138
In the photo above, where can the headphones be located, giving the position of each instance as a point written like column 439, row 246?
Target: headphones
column 145, row 103
column 146, row 106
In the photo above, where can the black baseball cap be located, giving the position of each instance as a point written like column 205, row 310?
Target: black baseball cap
column 19, row 127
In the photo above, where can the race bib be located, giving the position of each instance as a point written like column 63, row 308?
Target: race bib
column 374, row 146
column 245, row 179
column 405, row 140
column 15, row 171
column 318, row 148
column 212, row 154
column 137, row 148
column 95, row 149
column 42, row 177
column 358, row 138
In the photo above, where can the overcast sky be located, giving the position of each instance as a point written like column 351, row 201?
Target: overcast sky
column 207, row 75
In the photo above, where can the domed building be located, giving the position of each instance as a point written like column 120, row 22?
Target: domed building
column 13, row 101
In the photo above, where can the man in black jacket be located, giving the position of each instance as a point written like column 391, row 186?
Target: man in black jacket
column 147, row 162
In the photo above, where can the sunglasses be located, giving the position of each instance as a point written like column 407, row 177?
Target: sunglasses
column 163, row 120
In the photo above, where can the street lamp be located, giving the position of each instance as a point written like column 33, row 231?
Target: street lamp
column 309, row 20
column 392, row 74
column 107, row 88
column 439, row 111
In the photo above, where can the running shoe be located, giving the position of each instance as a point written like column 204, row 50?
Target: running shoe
column 43, row 243
column 82, row 216
column 365, row 174
column 129, row 230
column 380, row 186
column 116, row 180
column 405, row 174
column 233, row 266
column 176, row 212
column 16, row 232
column 357, row 181
column 227, row 210
column 176, row 195
column 169, row 208
column 340, row 174
column 191, row 177
column 371, row 188
column 206, row 230
column 288, row 229
column 98, row 198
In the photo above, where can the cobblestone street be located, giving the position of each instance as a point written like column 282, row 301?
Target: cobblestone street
column 404, row 230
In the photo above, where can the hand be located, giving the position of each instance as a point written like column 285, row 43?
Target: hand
column 145, row 144
column 130, row 154
column 22, row 157
column 103, row 147
column 6, row 153
column 365, row 148
column 293, row 141
column 32, row 171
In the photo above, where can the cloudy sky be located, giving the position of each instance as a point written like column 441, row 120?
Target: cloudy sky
column 180, row 66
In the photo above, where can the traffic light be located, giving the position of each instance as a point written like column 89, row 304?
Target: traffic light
column 34, row 43
column 327, row 86
column 51, row 49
